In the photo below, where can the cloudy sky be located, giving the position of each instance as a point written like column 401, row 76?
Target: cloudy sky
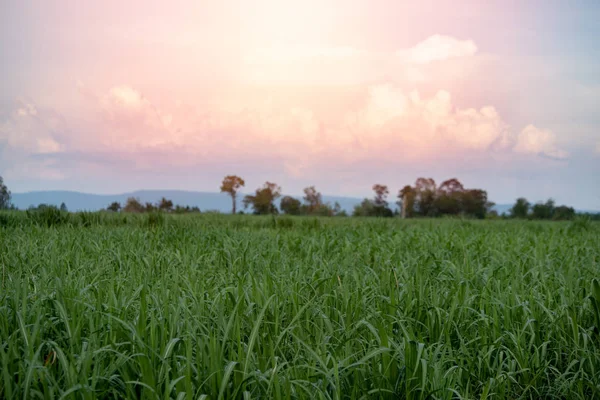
column 113, row 96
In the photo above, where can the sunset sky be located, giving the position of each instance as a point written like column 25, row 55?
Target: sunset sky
column 113, row 96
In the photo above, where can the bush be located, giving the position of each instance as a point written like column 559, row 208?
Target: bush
column 284, row 222
column 10, row 220
column 154, row 219
column 88, row 219
column 48, row 216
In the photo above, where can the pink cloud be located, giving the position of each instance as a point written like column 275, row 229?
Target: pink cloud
column 539, row 141
column 348, row 65
column 29, row 131
column 382, row 120
column 438, row 48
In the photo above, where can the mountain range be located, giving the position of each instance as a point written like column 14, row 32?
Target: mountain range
column 77, row 201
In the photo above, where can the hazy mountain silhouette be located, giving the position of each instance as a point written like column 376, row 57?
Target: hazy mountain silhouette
column 77, row 201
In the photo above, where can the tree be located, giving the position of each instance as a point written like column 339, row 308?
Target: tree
column 364, row 209
column 448, row 199
column 231, row 185
column 520, row 209
column 380, row 204
column 337, row 210
column 312, row 199
column 475, row 203
column 425, row 190
column 563, row 213
column 115, row 206
column 406, row 201
column 263, row 200
column 543, row 210
column 133, row 205
column 290, row 205
column 5, row 196
column 451, row 186
column 381, row 193
column 165, row 205
column 63, row 207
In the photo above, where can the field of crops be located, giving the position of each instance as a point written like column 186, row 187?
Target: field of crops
column 222, row 307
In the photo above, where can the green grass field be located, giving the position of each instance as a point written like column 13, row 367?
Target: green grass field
column 222, row 307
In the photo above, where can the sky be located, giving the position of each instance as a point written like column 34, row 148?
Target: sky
column 112, row 96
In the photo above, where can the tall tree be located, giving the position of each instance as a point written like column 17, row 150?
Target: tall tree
column 165, row 205
column 231, row 184
column 337, row 210
column 263, row 200
column 451, row 186
column 290, row 205
column 563, row 213
column 543, row 210
column 312, row 199
column 381, row 193
column 63, row 207
column 133, row 205
column 380, row 203
column 406, row 201
column 520, row 209
column 425, row 190
column 448, row 198
column 114, row 206
column 5, row 196
column 364, row 209
column 475, row 203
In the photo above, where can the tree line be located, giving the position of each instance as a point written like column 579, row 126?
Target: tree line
column 548, row 210
column 423, row 199
column 133, row 205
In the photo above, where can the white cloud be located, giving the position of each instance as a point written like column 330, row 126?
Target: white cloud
column 379, row 123
column 598, row 148
column 392, row 115
column 125, row 96
column 347, row 65
column 539, row 141
column 29, row 131
column 438, row 48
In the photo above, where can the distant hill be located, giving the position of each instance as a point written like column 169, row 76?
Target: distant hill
column 76, row 201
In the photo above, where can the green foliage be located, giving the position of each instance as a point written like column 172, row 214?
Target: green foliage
column 284, row 222
column 543, row 210
column 235, row 307
column 263, row 201
column 48, row 216
column 313, row 205
column 133, row 205
column 290, row 205
column 563, row 213
column 155, row 219
column 450, row 199
column 5, row 196
column 165, row 205
column 231, row 184
column 368, row 208
column 115, row 206
column 520, row 209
